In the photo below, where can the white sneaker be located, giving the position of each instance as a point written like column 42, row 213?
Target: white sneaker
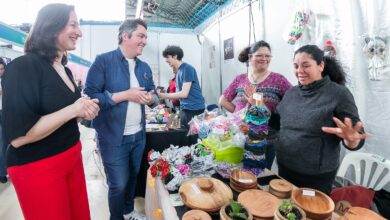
column 134, row 215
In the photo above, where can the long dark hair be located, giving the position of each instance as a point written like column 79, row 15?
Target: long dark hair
column 332, row 67
column 243, row 57
column 42, row 40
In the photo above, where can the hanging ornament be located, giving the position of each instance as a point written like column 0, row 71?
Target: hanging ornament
column 300, row 20
column 375, row 49
column 329, row 49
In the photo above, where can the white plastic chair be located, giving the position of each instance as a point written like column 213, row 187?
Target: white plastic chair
column 371, row 170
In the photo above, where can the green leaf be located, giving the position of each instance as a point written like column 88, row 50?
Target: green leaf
column 291, row 216
column 236, row 207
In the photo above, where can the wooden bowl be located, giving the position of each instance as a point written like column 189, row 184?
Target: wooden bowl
column 280, row 188
column 196, row 215
column 243, row 178
column 205, row 197
column 357, row 213
column 316, row 204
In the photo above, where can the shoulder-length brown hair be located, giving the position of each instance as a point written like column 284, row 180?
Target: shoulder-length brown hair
column 42, row 40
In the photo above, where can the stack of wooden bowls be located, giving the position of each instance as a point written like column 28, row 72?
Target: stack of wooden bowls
column 205, row 193
column 316, row 204
column 261, row 204
column 280, row 188
column 241, row 180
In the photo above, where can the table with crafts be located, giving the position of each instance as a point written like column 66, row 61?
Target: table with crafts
column 161, row 204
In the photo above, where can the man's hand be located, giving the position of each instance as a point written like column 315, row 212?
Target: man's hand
column 140, row 96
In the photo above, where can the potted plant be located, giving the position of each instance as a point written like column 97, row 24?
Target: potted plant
column 235, row 211
column 289, row 211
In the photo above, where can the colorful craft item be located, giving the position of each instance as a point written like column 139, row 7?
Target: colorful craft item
column 184, row 169
column 300, row 21
column 200, row 150
column 225, row 169
column 204, row 131
column 160, row 168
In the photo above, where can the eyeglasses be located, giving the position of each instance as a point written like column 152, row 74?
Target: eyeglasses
column 262, row 56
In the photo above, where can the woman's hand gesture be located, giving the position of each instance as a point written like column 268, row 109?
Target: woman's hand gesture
column 345, row 130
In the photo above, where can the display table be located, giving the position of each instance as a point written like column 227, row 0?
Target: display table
column 159, row 203
column 159, row 141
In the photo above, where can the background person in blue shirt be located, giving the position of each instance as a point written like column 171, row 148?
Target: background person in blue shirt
column 187, row 86
column 124, row 85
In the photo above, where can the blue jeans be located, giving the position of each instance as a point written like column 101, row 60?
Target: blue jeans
column 3, row 150
column 122, row 164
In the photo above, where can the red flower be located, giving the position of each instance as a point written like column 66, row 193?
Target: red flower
column 164, row 173
column 153, row 170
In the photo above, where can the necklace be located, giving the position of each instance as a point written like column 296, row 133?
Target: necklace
column 260, row 79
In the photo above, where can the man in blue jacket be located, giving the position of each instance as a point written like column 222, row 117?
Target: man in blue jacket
column 124, row 85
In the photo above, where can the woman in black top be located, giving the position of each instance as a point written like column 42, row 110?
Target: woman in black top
column 41, row 108
column 315, row 116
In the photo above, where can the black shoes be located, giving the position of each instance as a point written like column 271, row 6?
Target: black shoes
column 3, row 179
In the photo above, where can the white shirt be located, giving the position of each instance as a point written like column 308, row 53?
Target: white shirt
column 133, row 115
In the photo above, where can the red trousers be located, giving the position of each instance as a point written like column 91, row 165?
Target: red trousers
column 53, row 188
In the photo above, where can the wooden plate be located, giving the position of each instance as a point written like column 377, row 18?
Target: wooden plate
column 357, row 213
column 280, row 188
column 261, row 204
column 317, row 206
column 196, row 215
column 209, row 199
column 242, row 177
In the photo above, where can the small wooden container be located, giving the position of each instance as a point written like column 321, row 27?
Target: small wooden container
column 279, row 216
column 241, row 180
column 280, row 188
column 196, row 215
column 225, row 216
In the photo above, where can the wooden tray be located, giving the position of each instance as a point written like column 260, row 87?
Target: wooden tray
column 261, row 204
column 280, row 188
column 204, row 197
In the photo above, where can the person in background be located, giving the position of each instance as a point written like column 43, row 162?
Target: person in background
column 41, row 108
column 3, row 148
column 172, row 88
column 124, row 85
column 315, row 116
column 188, row 88
column 260, row 78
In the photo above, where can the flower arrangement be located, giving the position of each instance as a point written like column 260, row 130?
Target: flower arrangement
column 160, row 168
column 175, row 164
